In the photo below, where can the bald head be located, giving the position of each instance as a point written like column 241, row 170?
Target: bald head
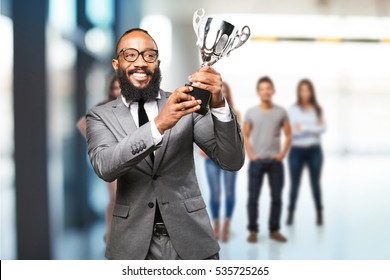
column 134, row 32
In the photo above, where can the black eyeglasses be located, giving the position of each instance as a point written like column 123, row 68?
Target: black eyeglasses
column 132, row 55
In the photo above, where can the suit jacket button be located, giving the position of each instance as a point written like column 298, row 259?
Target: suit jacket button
column 144, row 146
column 151, row 204
column 133, row 152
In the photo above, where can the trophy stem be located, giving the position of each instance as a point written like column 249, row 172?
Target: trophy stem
column 208, row 63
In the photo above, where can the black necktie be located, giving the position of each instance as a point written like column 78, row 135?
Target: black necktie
column 142, row 119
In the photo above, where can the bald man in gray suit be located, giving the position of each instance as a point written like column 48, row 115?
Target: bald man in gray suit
column 144, row 140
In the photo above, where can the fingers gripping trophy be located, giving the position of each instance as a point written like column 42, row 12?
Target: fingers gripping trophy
column 216, row 39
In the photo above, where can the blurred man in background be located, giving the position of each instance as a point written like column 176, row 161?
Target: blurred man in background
column 262, row 126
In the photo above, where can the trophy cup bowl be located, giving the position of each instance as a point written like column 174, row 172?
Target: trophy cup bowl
column 216, row 38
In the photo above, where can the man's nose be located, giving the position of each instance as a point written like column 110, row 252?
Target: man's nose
column 140, row 62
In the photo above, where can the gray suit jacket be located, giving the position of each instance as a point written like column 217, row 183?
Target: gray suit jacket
column 119, row 150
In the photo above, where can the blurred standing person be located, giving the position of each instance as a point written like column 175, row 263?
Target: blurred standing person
column 262, row 132
column 214, row 173
column 114, row 91
column 307, row 126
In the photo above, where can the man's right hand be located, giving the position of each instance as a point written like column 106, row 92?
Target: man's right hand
column 178, row 105
column 253, row 157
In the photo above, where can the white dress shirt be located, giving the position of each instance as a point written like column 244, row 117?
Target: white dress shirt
column 151, row 108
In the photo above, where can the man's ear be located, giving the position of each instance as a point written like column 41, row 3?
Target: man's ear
column 158, row 62
column 115, row 64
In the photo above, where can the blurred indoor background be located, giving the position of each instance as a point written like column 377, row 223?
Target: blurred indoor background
column 55, row 62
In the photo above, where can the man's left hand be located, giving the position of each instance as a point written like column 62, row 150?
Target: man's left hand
column 208, row 79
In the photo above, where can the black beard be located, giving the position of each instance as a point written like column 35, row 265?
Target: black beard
column 132, row 93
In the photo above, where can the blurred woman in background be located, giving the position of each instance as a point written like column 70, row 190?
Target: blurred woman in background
column 114, row 91
column 214, row 174
column 307, row 122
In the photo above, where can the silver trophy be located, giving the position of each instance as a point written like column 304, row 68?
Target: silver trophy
column 216, row 38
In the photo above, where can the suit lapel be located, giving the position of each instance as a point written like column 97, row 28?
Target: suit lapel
column 124, row 117
column 126, row 121
column 161, row 151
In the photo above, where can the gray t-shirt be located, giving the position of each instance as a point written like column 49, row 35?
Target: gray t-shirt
column 265, row 130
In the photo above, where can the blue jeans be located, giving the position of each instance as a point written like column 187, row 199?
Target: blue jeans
column 275, row 172
column 213, row 173
column 298, row 158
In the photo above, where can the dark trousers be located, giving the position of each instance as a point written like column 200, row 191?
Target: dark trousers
column 297, row 159
column 275, row 172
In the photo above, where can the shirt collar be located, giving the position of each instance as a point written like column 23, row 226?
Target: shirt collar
column 127, row 104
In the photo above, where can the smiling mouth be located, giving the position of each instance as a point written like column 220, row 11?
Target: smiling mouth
column 140, row 76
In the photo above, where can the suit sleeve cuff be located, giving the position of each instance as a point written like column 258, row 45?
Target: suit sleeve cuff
column 156, row 135
column 223, row 113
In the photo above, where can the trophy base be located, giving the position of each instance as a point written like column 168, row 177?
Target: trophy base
column 203, row 95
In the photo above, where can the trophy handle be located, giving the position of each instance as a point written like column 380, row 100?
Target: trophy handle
column 197, row 19
column 241, row 38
